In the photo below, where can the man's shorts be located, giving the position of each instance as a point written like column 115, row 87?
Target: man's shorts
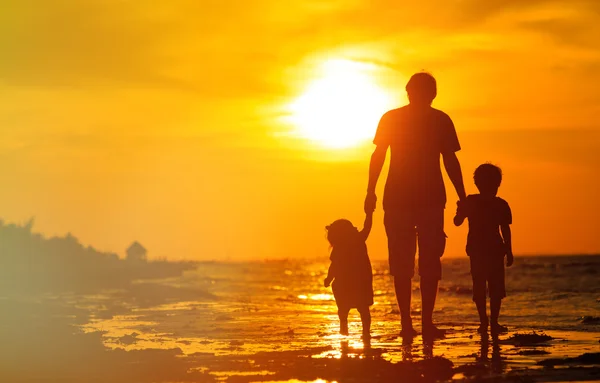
column 488, row 269
column 407, row 227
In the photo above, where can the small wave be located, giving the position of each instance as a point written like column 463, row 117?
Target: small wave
column 532, row 266
column 581, row 264
column 533, row 352
column 588, row 319
column 459, row 290
column 559, row 296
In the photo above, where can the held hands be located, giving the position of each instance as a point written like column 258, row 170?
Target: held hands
column 327, row 282
column 459, row 218
column 370, row 202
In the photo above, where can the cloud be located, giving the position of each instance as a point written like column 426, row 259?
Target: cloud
column 73, row 43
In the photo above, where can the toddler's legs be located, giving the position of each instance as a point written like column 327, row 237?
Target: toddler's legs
column 343, row 315
column 365, row 318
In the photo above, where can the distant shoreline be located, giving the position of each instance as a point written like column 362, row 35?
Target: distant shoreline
column 380, row 259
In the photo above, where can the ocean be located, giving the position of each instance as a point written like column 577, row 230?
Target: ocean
column 281, row 307
column 70, row 313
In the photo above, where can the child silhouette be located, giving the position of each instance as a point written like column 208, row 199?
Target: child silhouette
column 351, row 272
column 486, row 248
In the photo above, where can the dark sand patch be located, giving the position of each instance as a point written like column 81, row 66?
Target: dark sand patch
column 581, row 360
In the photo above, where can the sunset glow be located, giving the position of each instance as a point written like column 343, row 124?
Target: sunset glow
column 167, row 123
column 171, row 172
column 341, row 107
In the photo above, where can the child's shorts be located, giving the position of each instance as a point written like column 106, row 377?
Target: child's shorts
column 487, row 269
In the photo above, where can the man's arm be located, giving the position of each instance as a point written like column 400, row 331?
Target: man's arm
column 507, row 236
column 455, row 173
column 377, row 161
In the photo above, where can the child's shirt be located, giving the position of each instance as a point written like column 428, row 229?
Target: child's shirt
column 485, row 215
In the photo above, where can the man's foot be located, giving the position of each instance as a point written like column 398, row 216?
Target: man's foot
column 408, row 332
column 431, row 333
column 498, row 328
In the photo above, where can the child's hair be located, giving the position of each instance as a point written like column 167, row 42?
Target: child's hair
column 487, row 177
column 339, row 232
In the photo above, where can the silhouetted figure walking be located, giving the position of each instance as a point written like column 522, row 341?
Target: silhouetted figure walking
column 486, row 248
column 415, row 197
column 351, row 272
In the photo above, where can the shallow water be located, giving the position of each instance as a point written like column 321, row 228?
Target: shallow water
column 282, row 307
column 274, row 321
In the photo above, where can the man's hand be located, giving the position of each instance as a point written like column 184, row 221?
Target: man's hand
column 509, row 258
column 459, row 218
column 327, row 282
column 370, row 202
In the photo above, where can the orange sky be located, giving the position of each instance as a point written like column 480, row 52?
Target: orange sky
column 126, row 120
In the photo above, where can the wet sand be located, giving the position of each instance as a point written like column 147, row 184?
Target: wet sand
column 56, row 340
column 275, row 322
column 251, row 345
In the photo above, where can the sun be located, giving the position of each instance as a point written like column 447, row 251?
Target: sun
column 341, row 108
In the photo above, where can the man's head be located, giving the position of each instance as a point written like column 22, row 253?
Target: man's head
column 488, row 178
column 421, row 88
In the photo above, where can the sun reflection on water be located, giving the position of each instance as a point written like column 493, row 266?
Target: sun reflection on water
column 301, row 381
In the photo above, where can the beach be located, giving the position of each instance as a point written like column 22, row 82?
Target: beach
column 275, row 322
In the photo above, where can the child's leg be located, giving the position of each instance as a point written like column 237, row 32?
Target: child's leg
column 497, row 292
column 343, row 315
column 495, row 304
column 495, row 308
column 479, row 297
column 481, row 310
column 478, row 273
column 365, row 318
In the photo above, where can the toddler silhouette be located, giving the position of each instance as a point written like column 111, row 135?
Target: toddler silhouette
column 350, row 271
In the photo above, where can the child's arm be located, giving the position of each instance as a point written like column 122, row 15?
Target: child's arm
column 367, row 226
column 506, row 234
column 330, row 276
column 460, row 216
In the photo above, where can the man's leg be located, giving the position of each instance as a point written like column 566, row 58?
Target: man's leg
column 403, row 287
column 432, row 242
column 402, row 247
column 429, row 288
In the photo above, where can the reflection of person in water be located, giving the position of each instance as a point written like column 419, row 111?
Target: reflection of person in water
column 351, row 272
column 497, row 365
column 407, row 350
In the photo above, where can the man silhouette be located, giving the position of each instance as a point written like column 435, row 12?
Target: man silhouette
column 414, row 197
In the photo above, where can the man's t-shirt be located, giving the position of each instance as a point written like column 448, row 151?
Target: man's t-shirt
column 416, row 137
column 485, row 215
